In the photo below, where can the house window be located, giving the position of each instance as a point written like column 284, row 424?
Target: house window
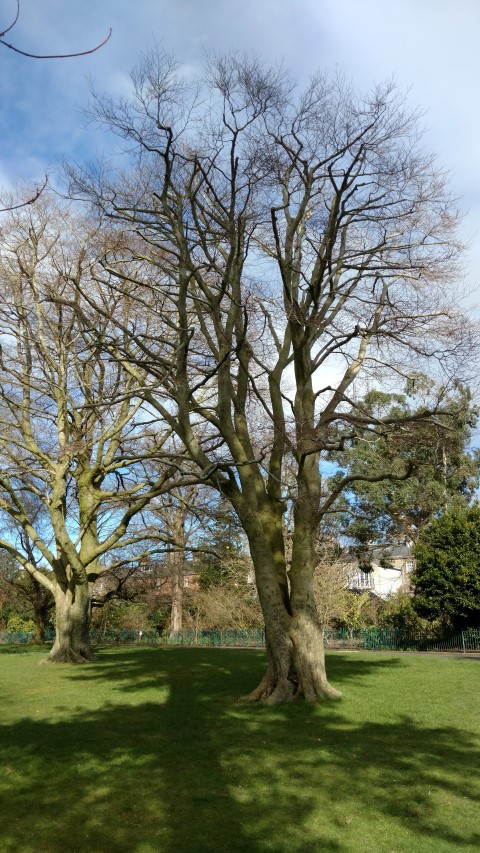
column 363, row 580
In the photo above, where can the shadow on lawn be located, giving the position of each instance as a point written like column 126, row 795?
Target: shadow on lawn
column 201, row 773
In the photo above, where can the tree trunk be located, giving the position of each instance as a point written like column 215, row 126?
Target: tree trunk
column 42, row 604
column 309, row 657
column 176, row 562
column 72, row 623
column 177, row 605
column 176, row 577
column 295, row 663
column 39, row 629
column 295, row 652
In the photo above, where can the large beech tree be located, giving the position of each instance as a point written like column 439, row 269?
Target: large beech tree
column 287, row 243
column 79, row 458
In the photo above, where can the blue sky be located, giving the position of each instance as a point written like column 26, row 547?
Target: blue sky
column 430, row 46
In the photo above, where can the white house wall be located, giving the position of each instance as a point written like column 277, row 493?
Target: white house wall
column 386, row 582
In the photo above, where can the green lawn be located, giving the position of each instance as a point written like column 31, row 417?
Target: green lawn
column 147, row 751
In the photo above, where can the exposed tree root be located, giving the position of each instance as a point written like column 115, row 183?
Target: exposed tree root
column 286, row 690
column 262, row 691
column 70, row 656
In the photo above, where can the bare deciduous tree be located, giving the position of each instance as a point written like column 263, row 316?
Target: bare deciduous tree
column 281, row 246
column 76, row 445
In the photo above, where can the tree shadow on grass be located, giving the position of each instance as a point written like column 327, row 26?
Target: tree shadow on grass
column 194, row 771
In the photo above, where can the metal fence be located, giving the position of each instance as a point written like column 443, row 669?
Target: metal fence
column 20, row 638
column 387, row 639
column 399, row 639
column 250, row 637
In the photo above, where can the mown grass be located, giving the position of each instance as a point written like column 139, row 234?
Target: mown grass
column 146, row 750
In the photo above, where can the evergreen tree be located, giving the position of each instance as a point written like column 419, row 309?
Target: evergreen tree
column 447, row 574
column 442, row 470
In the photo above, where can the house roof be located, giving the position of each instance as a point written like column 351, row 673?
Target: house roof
column 390, row 551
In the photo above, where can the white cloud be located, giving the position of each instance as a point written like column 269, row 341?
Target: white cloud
column 431, row 45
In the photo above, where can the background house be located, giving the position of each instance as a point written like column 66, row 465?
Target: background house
column 388, row 573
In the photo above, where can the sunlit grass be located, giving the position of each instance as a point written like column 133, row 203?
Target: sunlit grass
column 147, row 751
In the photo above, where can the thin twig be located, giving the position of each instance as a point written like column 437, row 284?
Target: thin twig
column 34, row 198
column 56, row 55
column 45, row 56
